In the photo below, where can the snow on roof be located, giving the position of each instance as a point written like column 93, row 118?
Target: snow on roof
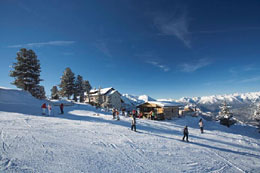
column 104, row 91
column 164, row 104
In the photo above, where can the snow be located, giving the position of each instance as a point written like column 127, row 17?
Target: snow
column 102, row 91
column 243, row 104
column 164, row 104
column 251, row 97
column 131, row 101
column 65, row 102
column 88, row 140
column 145, row 98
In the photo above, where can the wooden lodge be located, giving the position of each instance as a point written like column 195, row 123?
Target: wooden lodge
column 162, row 110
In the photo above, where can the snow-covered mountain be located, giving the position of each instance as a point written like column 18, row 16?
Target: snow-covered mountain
column 245, row 98
column 131, row 101
column 243, row 105
column 86, row 139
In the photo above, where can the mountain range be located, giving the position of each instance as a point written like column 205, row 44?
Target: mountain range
column 242, row 105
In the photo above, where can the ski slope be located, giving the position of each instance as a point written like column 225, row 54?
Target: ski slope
column 88, row 140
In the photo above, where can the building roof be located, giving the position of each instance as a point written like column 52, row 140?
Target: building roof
column 103, row 91
column 163, row 103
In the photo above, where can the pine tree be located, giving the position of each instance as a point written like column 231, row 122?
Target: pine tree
column 55, row 93
column 225, row 116
column 67, row 83
column 256, row 115
column 38, row 92
column 26, row 70
column 225, row 112
column 79, row 89
column 87, row 87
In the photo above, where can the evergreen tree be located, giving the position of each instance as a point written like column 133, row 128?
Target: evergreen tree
column 38, row 92
column 256, row 115
column 79, row 88
column 225, row 116
column 87, row 87
column 67, row 83
column 26, row 70
column 225, row 112
column 55, row 93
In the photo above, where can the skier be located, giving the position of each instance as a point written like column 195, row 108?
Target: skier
column 114, row 113
column 133, row 123
column 117, row 115
column 134, row 113
column 140, row 115
column 152, row 114
column 201, row 125
column 123, row 112
column 43, row 108
column 185, row 133
column 49, row 109
column 128, row 113
column 61, row 108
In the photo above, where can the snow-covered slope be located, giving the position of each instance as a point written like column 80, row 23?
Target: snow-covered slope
column 13, row 100
column 87, row 140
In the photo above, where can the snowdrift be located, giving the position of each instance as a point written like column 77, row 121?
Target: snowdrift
column 14, row 100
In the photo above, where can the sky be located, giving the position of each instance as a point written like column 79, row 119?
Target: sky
column 164, row 49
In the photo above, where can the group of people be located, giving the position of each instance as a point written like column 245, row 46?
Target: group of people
column 186, row 131
column 134, row 115
column 49, row 107
column 115, row 114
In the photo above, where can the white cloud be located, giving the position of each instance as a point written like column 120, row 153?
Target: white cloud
column 177, row 26
column 156, row 64
column 194, row 66
column 250, row 67
column 40, row 44
column 249, row 80
column 235, row 71
column 102, row 46
column 229, row 30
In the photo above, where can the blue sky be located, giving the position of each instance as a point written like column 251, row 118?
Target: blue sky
column 165, row 49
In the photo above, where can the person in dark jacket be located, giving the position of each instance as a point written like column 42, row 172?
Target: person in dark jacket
column 201, row 125
column 185, row 133
column 61, row 108
column 114, row 113
column 134, row 113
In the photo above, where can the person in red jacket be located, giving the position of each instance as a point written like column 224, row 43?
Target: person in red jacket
column 117, row 115
column 43, row 108
column 61, row 108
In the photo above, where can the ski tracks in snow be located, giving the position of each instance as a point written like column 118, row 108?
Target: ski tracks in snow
column 227, row 162
column 5, row 161
column 3, row 143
